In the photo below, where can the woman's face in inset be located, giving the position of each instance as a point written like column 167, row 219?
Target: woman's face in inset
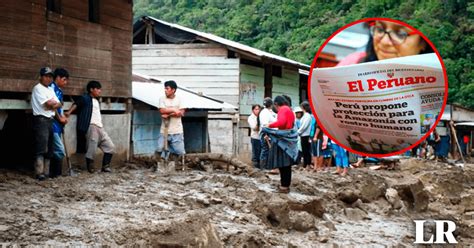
column 400, row 42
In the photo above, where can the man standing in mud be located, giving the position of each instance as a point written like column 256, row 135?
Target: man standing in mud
column 89, row 127
column 61, row 77
column 44, row 104
column 171, row 132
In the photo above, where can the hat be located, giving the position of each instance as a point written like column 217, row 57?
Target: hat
column 297, row 109
column 46, row 71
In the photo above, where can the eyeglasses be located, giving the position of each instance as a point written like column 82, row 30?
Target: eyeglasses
column 397, row 37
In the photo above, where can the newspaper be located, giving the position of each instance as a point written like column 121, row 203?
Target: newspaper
column 379, row 107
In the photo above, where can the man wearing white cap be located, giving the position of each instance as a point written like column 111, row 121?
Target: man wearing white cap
column 44, row 103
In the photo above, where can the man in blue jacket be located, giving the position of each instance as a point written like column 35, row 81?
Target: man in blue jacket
column 89, row 127
column 61, row 77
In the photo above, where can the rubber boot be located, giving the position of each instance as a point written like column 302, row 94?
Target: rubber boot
column 52, row 168
column 182, row 161
column 90, row 165
column 176, row 161
column 39, row 168
column 158, row 161
column 46, row 167
column 263, row 164
column 55, row 168
column 106, row 162
column 59, row 168
column 166, row 162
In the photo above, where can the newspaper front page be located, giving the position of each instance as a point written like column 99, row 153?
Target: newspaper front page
column 379, row 107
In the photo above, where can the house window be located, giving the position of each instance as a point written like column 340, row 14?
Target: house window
column 276, row 71
column 94, row 11
column 54, row 6
column 231, row 54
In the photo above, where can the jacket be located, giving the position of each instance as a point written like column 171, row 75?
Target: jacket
column 84, row 114
column 286, row 140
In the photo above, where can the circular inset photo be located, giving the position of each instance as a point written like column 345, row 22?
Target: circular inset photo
column 378, row 87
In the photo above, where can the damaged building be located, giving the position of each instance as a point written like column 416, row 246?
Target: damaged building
column 91, row 39
column 146, row 119
column 223, row 69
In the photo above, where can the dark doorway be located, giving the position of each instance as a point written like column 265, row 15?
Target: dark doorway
column 16, row 141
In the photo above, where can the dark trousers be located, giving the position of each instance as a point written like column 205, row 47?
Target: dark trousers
column 43, row 136
column 306, row 147
column 256, row 149
column 285, row 176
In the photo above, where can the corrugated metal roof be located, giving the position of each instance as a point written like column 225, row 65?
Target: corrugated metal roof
column 233, row 44
column 469, row 124
column 460, row 113
column 303, row 72
column 149, row 90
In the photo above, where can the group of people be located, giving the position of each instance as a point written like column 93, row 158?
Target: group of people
column 265, row 152
column 49, row 120
column 317, row 149
column 387, row 40
column 276, row 137
column 282, row 139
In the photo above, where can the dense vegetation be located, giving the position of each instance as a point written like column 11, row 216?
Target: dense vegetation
column 296, row 28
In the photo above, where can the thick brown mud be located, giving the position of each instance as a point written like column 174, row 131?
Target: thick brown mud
column 215, row 207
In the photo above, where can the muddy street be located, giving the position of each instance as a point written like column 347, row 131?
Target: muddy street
column 134, row 206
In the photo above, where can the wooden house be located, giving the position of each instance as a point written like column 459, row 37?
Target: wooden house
column 146, row 119
column 91, row 39
column 226, row 70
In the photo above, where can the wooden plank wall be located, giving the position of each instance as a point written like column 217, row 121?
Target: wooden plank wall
column 146, row 129
column 34, row 37
column 200, row 67
column 251, row 87
column 287, row 84
column 252, row 78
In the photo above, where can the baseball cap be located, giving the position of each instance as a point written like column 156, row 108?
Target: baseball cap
column 297, row 109
column 46, row 71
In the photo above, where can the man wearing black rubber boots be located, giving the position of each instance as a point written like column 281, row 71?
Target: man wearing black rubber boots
column 90, row 130
column 44, row 104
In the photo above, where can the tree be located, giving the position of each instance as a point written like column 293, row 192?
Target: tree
column 297, row 28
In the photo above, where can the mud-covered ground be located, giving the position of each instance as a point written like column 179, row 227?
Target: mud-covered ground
column 134, row 206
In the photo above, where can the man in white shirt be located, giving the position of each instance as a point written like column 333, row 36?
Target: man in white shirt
column 44, row 103
column 171, row 110
column 266, row 115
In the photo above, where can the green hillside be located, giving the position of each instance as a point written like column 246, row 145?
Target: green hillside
column 295, row 29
